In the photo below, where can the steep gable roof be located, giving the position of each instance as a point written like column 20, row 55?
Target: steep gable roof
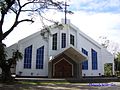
column 30, row 37
column 60, row 26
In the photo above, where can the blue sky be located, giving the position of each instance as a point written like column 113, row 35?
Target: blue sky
column 96, row 5
column 94, row 17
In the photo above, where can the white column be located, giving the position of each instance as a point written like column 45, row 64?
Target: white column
column 113, row 68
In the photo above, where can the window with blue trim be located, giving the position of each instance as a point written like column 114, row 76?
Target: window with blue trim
column 71, row 39
column 28, row 57
column 85, row 63
column 54, row 42
column 63, row 44
column 94, row 60
column 40, row 58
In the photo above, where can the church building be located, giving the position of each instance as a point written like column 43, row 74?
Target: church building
column 61, row 51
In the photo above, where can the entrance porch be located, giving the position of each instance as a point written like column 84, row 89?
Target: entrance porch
column 67, row 64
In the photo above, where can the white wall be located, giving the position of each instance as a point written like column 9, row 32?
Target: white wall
column 88, row 45
column 36, row 43
column 107, row 58
column 54, row 52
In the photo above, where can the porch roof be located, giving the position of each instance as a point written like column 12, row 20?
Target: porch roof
column 74, row 54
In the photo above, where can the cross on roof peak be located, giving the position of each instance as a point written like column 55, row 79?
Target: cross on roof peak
column 66, row 11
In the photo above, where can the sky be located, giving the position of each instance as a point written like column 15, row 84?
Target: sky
column 93, row 17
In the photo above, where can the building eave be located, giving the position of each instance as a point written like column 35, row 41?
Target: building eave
column 73, row 53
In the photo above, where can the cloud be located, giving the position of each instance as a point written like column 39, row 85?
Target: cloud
column 96, row 5
column 103, row 23
column 98, row 24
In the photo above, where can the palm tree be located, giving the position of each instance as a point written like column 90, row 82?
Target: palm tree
column 6, row 66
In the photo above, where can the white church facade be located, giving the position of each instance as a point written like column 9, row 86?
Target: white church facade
column 61, row 51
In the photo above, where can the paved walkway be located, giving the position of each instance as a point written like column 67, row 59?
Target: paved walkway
column 83, row 80
column 73, row 86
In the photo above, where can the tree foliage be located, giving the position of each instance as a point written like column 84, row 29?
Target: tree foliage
column 108, row 69
column 117, row 63
column 6, row 64
column 18, row 7
column 110, row 45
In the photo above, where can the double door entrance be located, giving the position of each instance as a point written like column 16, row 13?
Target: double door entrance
column 63, row 69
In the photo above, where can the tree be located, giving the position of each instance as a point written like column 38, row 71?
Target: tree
column 108, row 69
column 110, row 45
column 18, row 7
column 117, row 63
column 6, row 64
column 104, row 41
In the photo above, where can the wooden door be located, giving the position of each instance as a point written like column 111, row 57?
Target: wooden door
column 63, row 69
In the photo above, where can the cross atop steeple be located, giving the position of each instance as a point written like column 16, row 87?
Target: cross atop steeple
column 66, row 12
